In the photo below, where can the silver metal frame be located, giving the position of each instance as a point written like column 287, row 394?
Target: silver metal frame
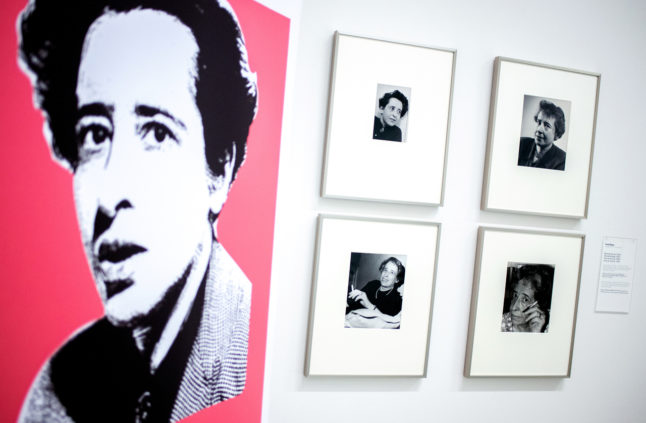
column 319, row 230
column 492, row 123
column 326, row 159
column 475, row 293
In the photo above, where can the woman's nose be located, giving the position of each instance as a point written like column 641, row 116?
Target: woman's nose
column 514, row 304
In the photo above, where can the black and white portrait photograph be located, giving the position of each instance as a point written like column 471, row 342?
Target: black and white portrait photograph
column 389, row 103
column 543, row 139
column 391, row 113
column 528, row 298
column 148, row 104
column 525, row 282
column 380, row 273
column 375, row 291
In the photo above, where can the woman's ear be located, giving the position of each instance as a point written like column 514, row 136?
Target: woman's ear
column 219, row 184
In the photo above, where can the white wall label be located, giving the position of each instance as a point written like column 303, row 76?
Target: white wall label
column 616, row 274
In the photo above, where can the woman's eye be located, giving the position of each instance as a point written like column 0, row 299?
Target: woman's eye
column 160, row 134
column 159, row 131
column 93, row 135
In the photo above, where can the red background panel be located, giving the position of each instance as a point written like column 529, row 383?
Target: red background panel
column 46, row 289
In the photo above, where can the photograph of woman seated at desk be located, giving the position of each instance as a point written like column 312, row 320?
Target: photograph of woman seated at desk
column 377, row 303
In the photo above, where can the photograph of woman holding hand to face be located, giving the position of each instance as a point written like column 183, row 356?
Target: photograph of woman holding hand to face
column 528, row 298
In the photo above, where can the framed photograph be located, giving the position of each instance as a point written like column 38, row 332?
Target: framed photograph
column 372, row 297
column 541, row 139
column 388, row 121
column 524, row 303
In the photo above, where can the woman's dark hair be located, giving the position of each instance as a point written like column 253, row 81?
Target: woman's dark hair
column 550, row 109
column 401, row 270
column 52, row 34
column 383, row 101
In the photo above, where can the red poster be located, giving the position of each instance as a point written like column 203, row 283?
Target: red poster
column 49, row 291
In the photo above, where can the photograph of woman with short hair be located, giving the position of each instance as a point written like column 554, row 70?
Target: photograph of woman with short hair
column 390, row 113
column 375, row 303
column 528, row 298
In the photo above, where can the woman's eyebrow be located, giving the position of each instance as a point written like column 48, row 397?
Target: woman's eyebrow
column 95, row 109
column 150, row 111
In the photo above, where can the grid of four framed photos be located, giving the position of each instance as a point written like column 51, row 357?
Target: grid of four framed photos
column 539, row 158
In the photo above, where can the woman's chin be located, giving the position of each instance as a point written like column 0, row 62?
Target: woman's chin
column 517, row 320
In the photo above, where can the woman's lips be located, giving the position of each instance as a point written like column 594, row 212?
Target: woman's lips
column 110, row 256
column 115, row 252
column 112, row 288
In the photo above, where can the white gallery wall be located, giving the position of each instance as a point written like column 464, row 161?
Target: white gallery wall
column 608, row 380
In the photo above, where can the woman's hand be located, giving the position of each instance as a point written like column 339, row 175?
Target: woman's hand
column 362, row 298
column 535, row 318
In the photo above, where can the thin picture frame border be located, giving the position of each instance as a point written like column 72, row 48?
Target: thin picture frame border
column 328, row 126
column 473, row 310
column 310, row 327
column 491, row 130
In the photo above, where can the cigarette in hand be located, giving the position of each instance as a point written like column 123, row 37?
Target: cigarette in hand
column 530, row 306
